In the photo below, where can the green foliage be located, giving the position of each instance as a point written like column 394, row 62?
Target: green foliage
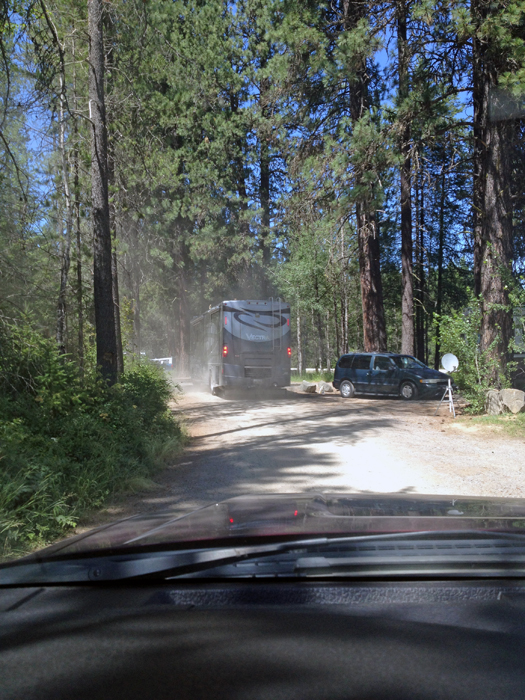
column 67, row 444
column 460, row 336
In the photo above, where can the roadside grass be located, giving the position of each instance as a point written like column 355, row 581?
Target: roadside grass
column 313, row 377
column 507, row 424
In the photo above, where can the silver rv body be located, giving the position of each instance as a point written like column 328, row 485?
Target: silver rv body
column 242, row 344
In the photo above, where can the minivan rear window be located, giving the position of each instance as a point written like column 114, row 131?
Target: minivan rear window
column 361, row 362
column 346, row 361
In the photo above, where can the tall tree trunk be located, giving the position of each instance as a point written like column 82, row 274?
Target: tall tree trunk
column 328, row 348
column 299, row 346
column 264, row 194
column 374, row 327
column 420, row 271
column 264, row 190
column 80, row 306
column 480, row 97
column 105, row 327
column 496, row 324
column 114, row 263
column 110, row 68
column 441, row 248
column 343, row 348
column 181, row 265
column 337, row 325
column 493, row 243
column 407, row 301
column 319, row 323
column 65, row 240
column 114, row 268
column 137, row 330
column 184, row 325
column 116, row 304
column 244, row 224
column 76, row 188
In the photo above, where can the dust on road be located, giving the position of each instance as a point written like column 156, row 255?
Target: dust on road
column 283, row 441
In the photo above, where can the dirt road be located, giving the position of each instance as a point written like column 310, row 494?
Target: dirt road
column 292, row 442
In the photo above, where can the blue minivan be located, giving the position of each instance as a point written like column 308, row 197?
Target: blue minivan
column 385, row 373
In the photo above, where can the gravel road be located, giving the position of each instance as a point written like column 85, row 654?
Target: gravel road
column 286, row 441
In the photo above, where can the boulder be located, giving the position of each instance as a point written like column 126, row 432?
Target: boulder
column 324, row 388
column 493, row 405
column 308, row 387
column 512, row 399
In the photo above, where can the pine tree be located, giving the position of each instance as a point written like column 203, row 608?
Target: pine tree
column 107, row 346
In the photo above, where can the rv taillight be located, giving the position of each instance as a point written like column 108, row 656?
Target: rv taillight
column 225, row 351
column 289, row 351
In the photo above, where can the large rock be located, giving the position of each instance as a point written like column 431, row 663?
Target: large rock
column 512, row 399
column 324, row 388
column 308, row 387
column 493, row 405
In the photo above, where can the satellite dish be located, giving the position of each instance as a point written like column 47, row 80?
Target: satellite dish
column 450, row 362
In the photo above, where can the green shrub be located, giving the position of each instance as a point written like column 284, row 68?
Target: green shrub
column 460, row 336
column 66, row 443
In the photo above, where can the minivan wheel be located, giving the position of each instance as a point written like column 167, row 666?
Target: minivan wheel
column 346, row 389
column 408, row 391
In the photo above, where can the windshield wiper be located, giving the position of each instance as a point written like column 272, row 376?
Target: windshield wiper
column 462, row 552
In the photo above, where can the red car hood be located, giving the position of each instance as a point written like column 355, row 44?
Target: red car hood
column 297, row 515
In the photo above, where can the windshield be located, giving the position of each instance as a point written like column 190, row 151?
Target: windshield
column 225, row 227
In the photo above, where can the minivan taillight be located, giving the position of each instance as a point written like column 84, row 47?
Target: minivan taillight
column 225, row 351
column 289, row 351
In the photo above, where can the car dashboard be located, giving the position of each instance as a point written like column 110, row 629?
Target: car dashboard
column 265, row 639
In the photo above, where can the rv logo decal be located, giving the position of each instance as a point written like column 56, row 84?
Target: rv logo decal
column 264, row 320
column 257, row 337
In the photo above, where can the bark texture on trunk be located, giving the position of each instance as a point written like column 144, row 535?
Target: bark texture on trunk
column 374, row 328
column 344, row 298
column 441, row 250
column 407, row 299
column 102, row 275
column 480, row 103
column 80, row 305
column 110, row 68
column 116, row 305
column 493, row 244
column 496, row 325
column 420, row 272
column 114, row 263
column 78, row 231
column 337, row 323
